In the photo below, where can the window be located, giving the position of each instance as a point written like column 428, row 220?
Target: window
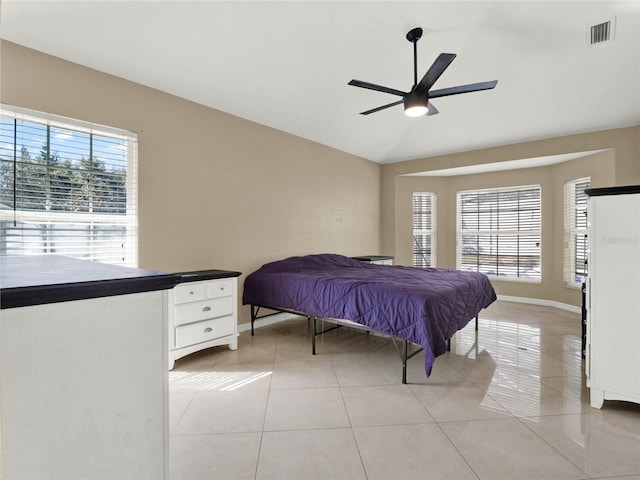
column 424, row 229
column 499, row 232
column 575, row 231
column 67, row 188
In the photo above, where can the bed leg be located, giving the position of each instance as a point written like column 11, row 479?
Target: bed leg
column 253, row 317
column 313, row 336
column 404, row 362
column 449, row 345
column 477, row 322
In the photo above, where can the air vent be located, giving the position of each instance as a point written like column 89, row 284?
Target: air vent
column 600, row 33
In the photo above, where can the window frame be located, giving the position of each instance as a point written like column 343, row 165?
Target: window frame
column 497, row 232
column 21, row 225
column 572, row 210
column 429, row 218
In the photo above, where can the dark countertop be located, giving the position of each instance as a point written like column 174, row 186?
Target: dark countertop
column 38, row 280
column 199, row 275
column 622, row 190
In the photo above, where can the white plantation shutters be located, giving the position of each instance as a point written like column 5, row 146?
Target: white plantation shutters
column 67, row 188
column 499, row 232
column 576, row 243
column 424, row 220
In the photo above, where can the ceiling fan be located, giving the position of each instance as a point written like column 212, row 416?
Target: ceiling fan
column 416, row 101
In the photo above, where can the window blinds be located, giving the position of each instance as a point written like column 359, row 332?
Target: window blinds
column 499, row 231
column 424, row 229
column 67, row 188
column 576, row 243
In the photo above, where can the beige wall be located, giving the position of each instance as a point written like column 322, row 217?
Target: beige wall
column 215, row 191
column 619, row 165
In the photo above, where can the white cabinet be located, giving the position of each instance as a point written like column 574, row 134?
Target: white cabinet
column 613, row 295
column 83, row 379
column 203, row 313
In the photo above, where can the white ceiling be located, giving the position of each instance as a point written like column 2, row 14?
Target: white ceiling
column 286, row 64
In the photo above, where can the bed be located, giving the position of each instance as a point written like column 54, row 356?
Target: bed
column 420, row 306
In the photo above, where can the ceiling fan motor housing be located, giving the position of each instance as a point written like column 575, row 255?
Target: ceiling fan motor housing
column 415, row 103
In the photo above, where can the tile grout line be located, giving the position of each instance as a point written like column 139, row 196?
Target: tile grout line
column 264, row 416
column 549, row 444
column 353, row 435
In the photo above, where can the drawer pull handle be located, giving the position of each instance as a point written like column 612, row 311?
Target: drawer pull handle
column 190, row 292
column 208, row 329
column 206, row 309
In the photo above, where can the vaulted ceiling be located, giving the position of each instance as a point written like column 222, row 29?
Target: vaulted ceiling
column 286, row 64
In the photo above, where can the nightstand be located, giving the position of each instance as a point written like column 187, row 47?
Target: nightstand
column 203, row 312
column 378, row 259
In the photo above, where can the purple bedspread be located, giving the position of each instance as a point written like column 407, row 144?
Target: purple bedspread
column 423, row 305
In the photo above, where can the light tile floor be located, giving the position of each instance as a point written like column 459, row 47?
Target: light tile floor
column 507, row 403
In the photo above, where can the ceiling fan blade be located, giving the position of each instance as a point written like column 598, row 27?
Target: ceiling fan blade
column 432, row 109
column 472, row 87
column 378, row 88
column 434, row 72
column 374, row 110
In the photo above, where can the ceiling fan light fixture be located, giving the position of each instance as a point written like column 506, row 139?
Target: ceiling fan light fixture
column 416, row 111
column 415, row 105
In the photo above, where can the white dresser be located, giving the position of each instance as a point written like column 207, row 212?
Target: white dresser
column 203, row 312
column 612, row 362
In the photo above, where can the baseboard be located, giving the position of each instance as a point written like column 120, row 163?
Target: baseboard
column 279, row 317
column 540, row 301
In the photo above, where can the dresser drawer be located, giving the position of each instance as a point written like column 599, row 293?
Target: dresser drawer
column 190, row 292
column 202, row 310
column 220, row 288
column 204, row 331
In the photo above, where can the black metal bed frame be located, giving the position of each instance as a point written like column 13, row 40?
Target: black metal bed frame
column 402, row 349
